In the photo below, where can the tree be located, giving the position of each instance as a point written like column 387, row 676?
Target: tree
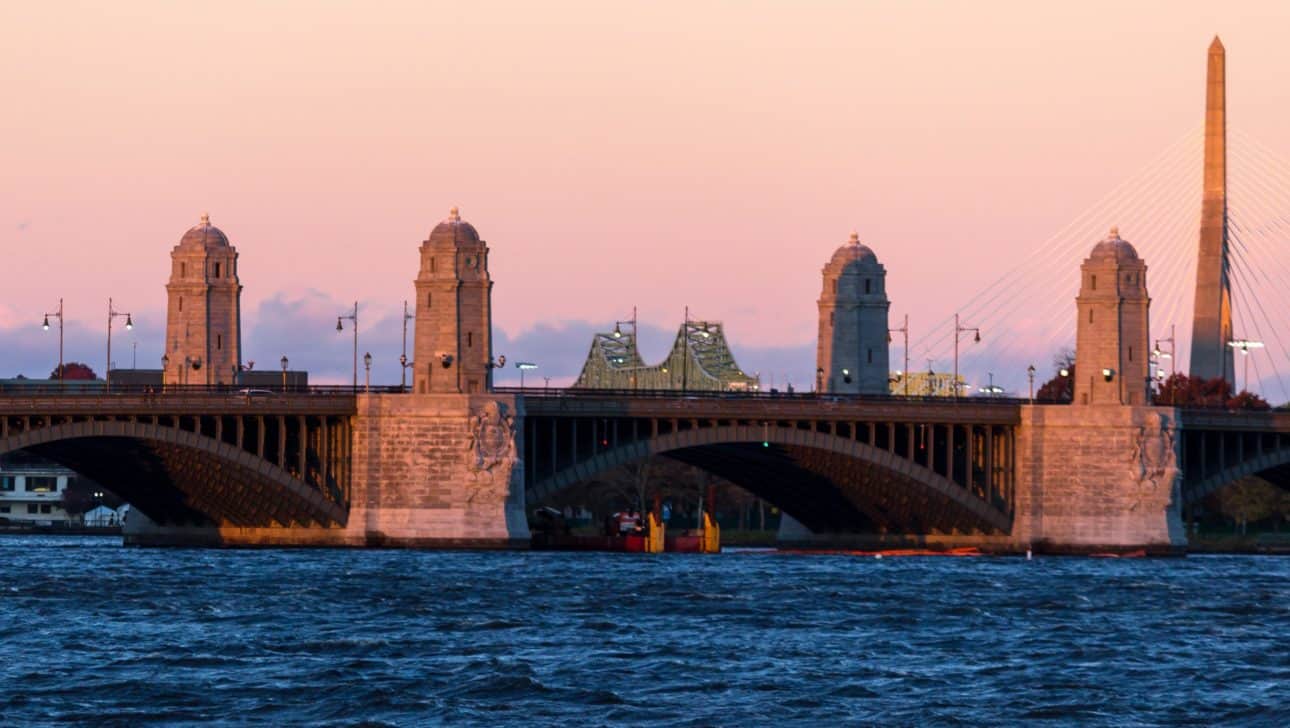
column 74, row 370
column 1061, row 388
column 1181, row 390
column 1249, row 499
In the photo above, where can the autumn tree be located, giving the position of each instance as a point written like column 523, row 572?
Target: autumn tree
column 74, row 370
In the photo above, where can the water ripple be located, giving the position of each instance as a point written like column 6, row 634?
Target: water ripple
column 95, row 634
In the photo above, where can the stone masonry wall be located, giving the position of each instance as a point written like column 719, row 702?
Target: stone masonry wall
column 1094, row 478
column 438, row 470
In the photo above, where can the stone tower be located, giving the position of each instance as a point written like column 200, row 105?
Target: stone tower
column 1112, row 333
column 204, row 309
column 852, row 352
column 1211, row 357
column 453, row 347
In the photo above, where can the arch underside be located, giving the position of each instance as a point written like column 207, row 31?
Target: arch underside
column 1274, row 469
column 829, row 485
column 179, row 478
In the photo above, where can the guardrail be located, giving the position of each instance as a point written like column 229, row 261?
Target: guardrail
column 545, row 392
column 97, row 389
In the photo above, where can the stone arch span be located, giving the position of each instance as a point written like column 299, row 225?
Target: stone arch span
column 1275, row 465
column 178, row 477
column 827, row 482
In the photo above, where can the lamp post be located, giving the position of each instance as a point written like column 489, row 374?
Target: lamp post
column 283, row 362
column 45, row 326
column 403, row 358
column 1244, row 346
column 819, row 379
column 129, row 324
column 1030, row 374
column 618, row 334
column 165, row 364
column 341, row 327
column 958, row 329
column 524, row 366
column 903, row 330
column 1162, row 354
column 367, row 372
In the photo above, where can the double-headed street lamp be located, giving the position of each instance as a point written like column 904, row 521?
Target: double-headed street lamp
column 283, row 362
column 1030, row 374
column 958, row 329
column 341, row 327
column 129, row 324
column 367, row 372
column 45, row 326
column 524, row 366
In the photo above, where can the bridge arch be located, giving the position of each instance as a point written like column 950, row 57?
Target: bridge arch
column 825, row 481
column 1199, row 489
column 175, row 476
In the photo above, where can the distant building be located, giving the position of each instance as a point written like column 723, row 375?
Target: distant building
column 700, row 361
column 851, row 356
column 31, row 491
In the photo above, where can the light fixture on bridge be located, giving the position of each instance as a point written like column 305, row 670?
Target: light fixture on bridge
column 1108, row 374
column 1064, row 372
column 524, row 366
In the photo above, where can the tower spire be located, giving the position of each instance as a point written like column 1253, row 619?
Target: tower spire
column 1211, row 357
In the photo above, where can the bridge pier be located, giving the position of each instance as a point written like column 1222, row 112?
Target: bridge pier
column 1099, row 478
column 427, row 471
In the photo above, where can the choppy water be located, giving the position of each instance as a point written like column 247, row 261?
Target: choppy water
column 94, row 633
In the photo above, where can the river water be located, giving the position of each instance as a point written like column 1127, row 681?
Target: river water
column 93, row 633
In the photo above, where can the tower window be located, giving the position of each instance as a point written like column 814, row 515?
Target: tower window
column 830, row 318
column 183, row 270
column 432, row 264
column 866, row 285
column 1090, row 315
column 429, row 296
column 470, row 339
column 835, row 286
column 870, row 351
column 219, row 341
column 1092, row 283
column 217, row 270
column 181, row 303
column 1130, row 353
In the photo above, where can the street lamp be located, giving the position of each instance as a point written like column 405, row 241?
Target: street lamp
column 1030, row 374
column 341, row 327
column 1244, row 346
column 903, row 330
column 819, row 379
column 59, row 315
column 1162, row 354
column 165, row 364
column 403, row 358
column 283, row 362
column 129, row 324
column 367, row 372
column 524, row 366
column 976, row 339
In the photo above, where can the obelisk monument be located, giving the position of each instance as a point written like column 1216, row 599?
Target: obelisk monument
column 1211, row 357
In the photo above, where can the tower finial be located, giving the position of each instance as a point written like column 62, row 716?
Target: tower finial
column 453, row 215
column 1216, row 45
column 1115, row 232
column 206, row 218
column 855, row 238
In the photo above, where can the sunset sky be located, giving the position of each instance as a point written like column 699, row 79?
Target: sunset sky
column 709, row 154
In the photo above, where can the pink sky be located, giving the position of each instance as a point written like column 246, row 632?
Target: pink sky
column 658, row 154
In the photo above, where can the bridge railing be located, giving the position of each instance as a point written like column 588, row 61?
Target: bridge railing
column 95, row 388
column 571, row 393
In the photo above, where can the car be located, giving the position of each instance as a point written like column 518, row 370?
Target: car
column 248, row 393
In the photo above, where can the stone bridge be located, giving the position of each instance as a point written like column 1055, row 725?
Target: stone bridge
column 338, row 467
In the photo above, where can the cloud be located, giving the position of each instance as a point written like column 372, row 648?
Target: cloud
column 302, row 327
